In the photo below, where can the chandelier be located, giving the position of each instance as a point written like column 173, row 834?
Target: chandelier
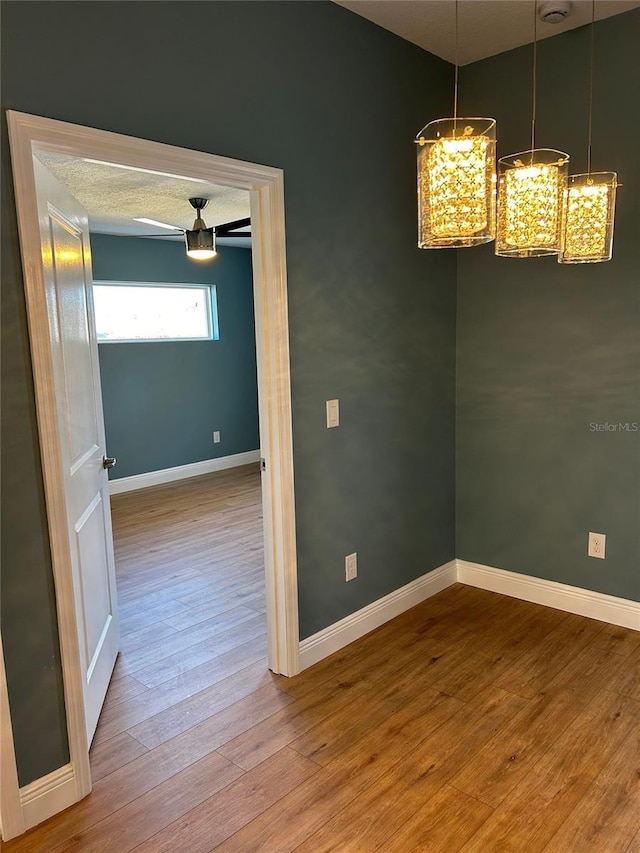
column 531, row 198
column 540, row 209
column 591, row 202
column 532, row 192
column 456, row 179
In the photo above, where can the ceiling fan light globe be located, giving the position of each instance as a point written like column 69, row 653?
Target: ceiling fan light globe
column 201, row 244
column 201, row 254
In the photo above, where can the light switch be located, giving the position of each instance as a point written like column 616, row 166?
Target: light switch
column 333, row 413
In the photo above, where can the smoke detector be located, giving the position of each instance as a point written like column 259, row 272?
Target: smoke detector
column 555, row 11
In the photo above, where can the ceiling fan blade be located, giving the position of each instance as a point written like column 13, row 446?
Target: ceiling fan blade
column 224, row 235
column 153, row 235
column 225, row 229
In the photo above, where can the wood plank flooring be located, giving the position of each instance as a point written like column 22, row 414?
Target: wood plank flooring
column 473, row 722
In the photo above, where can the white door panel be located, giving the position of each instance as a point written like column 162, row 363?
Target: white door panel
column 77, row 359
column 93, row 565
column 66, row 257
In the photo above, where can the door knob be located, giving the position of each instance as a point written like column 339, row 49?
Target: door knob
column 108, row 462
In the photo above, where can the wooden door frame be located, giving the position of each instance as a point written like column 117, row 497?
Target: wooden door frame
column 29, row 134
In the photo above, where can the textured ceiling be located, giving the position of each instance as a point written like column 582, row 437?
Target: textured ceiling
column 114, row 196
column 485, row 27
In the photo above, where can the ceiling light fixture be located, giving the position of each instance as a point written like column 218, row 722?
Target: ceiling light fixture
column 201, row 241
column 532, row 192
column 591, row 202
column 456, row 178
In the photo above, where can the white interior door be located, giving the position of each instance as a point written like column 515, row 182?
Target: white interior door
column 66, row 259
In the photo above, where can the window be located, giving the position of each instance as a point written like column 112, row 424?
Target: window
column 140, row 311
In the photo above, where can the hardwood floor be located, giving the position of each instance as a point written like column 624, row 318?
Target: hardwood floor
column 473, row 722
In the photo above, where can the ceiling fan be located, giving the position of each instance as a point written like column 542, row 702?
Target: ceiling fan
column 200, row 240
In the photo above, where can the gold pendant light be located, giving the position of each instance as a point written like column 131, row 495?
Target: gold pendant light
column 591, row 202
column 532, row 193
column 456, row 179
column 590, row 213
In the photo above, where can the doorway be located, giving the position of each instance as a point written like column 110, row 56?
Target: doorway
column 28, row 135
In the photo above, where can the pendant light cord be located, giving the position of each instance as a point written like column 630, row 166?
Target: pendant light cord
column 593, row 17
column 535, row 68
column 455, row 85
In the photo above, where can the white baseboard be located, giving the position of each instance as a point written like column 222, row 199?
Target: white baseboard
column 572, row 599
column 182, row 472
column 352, row 627
column 47, row 796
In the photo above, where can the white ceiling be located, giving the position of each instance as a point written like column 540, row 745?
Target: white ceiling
column 485, row 27
column 113, row 196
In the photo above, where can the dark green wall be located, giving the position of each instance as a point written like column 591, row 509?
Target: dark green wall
column 545, row 350
column 148, row 388
column 335, row 101
column 27, row 612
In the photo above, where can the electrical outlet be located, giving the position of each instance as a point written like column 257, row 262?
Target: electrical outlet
column 351, row 566
column 216, row 437
column 597, row 544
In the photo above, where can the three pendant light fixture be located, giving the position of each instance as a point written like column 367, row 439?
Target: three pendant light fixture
column 540, row 209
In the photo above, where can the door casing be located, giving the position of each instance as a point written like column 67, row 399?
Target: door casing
column 31, row 134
